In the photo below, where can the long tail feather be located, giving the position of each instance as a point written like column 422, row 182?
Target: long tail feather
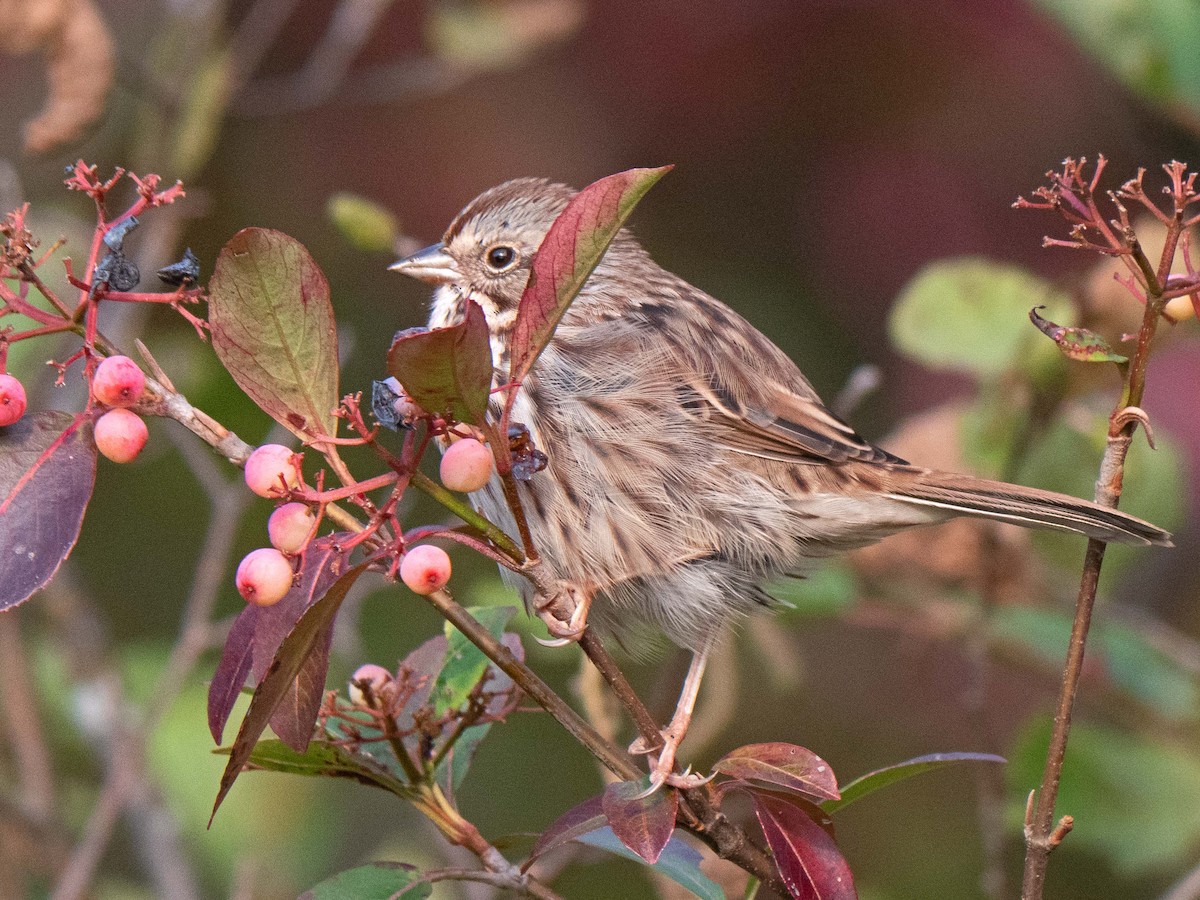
column 1033, row 508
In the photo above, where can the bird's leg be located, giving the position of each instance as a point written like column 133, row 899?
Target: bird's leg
column 565, row 613
column 663, row 770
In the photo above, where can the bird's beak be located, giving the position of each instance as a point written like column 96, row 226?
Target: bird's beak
column 433, row 264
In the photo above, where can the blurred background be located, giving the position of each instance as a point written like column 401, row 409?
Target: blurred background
column 845, row 174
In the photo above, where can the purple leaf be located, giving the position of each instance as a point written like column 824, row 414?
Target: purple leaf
column 570, row 251
column 273, row 329
column 1080, row 344
column 47, row 472
column 323, row 563
column 644, row 824
column 447, row 371
column 277, row 681
column 293, row 719
column 881, row 778
column 782, row 765
column 578, row 820
column 809, row 862
column 232, row 671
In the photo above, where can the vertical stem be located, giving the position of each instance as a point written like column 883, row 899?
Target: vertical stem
column 1041, row 835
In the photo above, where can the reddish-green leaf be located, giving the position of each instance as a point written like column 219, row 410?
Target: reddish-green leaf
column 644, row 824
column 273, row 329
column 881, row 778
column 447, row 371
column 568, row 254
column 782, row 765
column 1080, row 344
column 323, row 759
column 809, row 862
column 277, row 682
column 47, row 472
column 578, row 820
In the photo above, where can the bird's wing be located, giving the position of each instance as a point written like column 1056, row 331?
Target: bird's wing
column 774, row 421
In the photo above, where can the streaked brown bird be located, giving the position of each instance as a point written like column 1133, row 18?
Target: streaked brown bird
column 690, row 461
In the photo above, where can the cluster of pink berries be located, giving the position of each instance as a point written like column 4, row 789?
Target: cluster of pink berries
column 117, row 384
column 120, row 433
column 466, row 466
column 265, row 575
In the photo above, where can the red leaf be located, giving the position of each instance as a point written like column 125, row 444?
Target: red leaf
column 587, row 816
column 644, row 825
column 309, row 632
column 47, row 472
column 783, row 765
column 232, row 671
column 273, row 329
column 809, row 862
column 447, row 371
column 570, row 251
column 324, row 562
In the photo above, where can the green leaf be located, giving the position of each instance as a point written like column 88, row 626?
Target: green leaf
column 570, row 251
column 1135, row 798
column 1126, row 657
column 678, row 861
column 1079, row 344
column 275, row 685
column 465, row 663
column 364, row 223
column 447, row 371
column 1150, row 45
column 273, row 329
column 457, row 762
column 970, row 315
column 377, row 881
column 1066, row 458
column 873, row 781
column 321, row 759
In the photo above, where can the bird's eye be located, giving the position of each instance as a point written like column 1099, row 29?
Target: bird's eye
column 501, row 258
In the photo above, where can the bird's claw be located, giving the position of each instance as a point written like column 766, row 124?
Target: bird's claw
column 573, row 628
column 663, row 769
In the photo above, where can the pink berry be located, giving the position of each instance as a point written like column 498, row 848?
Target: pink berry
column 268, row 468
column 466, row 465
column 375, row 677
column 290, row 526
column 12, row 399
column 425, row 569
column 120, row 435
column 264, row 576
column 118, row 381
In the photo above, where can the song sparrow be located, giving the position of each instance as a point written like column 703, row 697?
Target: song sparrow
column 690, row 461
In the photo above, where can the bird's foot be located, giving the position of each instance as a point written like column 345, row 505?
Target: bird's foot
column 565, row 614
column 662, row 770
